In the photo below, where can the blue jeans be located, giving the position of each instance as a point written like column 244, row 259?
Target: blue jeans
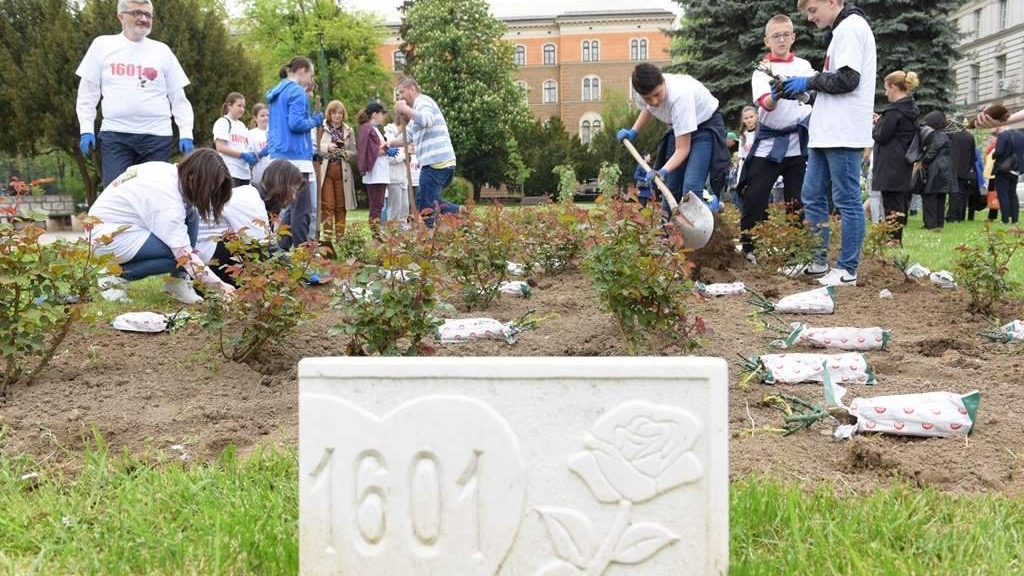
column 841, row 167
column 155, row 257
column 692, row 174
column 432, row 182
column 119, row 150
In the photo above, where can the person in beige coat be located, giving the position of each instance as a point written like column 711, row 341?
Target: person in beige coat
column 338, row 148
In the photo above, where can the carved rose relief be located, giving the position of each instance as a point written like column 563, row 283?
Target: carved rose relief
column 637, row 451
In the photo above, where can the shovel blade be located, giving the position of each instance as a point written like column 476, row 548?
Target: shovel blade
column 699, row 223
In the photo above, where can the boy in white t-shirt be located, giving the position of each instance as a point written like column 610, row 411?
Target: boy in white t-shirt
column 779, row 147
column 695, row 143
column 142, row 85
column 840, row 129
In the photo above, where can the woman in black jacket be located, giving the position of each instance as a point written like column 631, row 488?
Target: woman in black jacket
column 893, row 132
column 939, row 177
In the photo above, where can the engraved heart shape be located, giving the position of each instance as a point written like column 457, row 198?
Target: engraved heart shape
column 436, row 486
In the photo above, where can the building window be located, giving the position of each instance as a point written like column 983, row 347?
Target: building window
column 398, row 61
column 585, row 132
column 976, row 32
column 525, row 90
column 586, row 50
column 595, row 127
column 589, row 126
column 520, row 55
column 549, row 54
column 638, row 49
column 595, row 51
column 550, row 92
column 1002, row 15
column 591, row 88
column 1000, row 76
column 975, row 84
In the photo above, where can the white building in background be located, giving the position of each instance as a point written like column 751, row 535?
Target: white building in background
column 991, row 67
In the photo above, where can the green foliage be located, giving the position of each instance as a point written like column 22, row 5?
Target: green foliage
column 454, row 49
column 783, row 240
column 544, row 145
column 608, row 179
column 982, row 267
column 459, row 192
column 354, row 245
column 277, row 30
column 388, row 310
column 643, row 279
column 476, row 250
column 566, row 182
column 725, row 38
column 43, row 292
column 551, row 238
column 269, row 302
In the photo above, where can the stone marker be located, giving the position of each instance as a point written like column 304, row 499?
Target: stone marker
column 513, row 466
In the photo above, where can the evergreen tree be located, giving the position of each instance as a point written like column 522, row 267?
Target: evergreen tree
column 721, row 40
column 454, row 50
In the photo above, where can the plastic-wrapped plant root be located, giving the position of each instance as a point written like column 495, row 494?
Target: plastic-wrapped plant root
column 817, row 301
column 848, row 368
column 843, row 338
column 721, row 289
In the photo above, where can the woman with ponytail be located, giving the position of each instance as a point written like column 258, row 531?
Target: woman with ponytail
column 895, row 129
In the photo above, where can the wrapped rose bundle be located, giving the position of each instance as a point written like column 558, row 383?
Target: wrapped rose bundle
column 842, row 338
column 466, row 329
column 728, row 289
column 915, row 270
column 515, row 288
column 930, row 414
column 817, row 301
column 849, row 368
column 1012, row 332
column 516, row 269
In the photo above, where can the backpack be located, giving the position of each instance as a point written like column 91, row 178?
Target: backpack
column 914, row 151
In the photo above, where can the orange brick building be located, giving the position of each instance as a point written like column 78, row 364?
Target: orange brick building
column 567, row 64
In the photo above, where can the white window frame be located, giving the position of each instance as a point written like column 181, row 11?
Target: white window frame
column 515, row 55
column 395, row 57
column 554, row 55
column 590, row 88
column 552, row 83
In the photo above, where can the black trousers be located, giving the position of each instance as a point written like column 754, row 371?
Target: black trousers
column 1006, row 190
column 896, row 205
column 934, row 206
column 957, row 209
column 761, row 173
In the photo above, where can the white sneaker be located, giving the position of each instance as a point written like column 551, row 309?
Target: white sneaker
column 811, row 270
column 751, row 258
column 181, row 290
column 113, row 288
column 838, row 277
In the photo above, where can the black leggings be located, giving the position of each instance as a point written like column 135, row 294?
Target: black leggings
column 761, row 173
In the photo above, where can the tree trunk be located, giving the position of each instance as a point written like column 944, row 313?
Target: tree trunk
column 90, row 179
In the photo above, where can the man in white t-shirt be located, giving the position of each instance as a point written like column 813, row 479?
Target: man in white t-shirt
column 695, row 143
column 141, row 85
column 840, row 129
column 779, row 147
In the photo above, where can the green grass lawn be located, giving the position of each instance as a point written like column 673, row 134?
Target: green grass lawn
column 240, row 516
column 937, row 250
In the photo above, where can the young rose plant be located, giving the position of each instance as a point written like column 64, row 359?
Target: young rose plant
column 271, row 298
column 43, row 293
column 642, row 277
column 783, row 240
column 388, row 310
column 476, row 250
column 981, row 267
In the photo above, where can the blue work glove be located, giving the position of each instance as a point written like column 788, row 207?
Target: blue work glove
column 249, row 158
column 794, row 86
column 661, row 172
column 625, row 133
column 777, row 90
column 392, row 151
column 714, row 204
column 86, row 144
column 185, row 145
column 263, row 153
column 318, row 119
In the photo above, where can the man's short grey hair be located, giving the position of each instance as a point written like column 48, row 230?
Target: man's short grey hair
column 406, row 82
column 122, row 5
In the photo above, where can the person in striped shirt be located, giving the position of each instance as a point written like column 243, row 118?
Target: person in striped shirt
column 429, row 134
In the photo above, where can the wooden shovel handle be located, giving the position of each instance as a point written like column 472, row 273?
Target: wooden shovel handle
column 672, row 204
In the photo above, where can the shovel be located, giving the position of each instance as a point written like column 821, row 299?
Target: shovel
column 691, row 216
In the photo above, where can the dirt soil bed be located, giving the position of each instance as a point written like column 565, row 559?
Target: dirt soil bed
column 148, row 392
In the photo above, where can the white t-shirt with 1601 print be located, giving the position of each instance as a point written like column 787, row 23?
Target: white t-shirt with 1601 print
column 237, row 136
column 136, row 80
column 844, row 120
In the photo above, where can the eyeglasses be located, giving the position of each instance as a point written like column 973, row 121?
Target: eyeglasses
column 139, row 14
column 781, row 36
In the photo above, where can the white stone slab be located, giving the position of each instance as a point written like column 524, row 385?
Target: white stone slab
column 513, row 466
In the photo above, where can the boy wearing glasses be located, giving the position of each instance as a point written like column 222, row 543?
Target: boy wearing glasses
column 780, row 143
column 141, row 85
column 840, row 129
